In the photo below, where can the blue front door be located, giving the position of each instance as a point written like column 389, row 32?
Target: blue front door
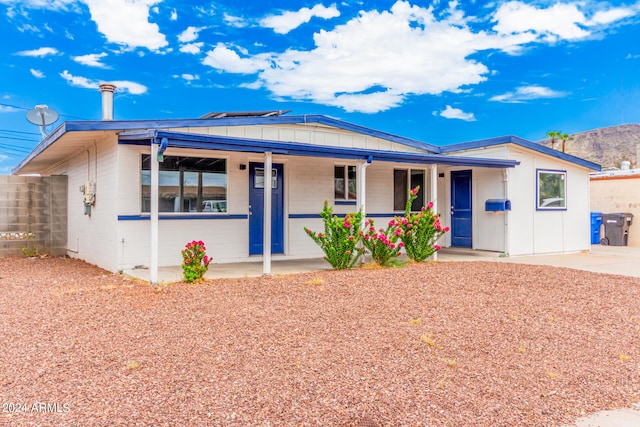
column 257, row 182
column 461, row 224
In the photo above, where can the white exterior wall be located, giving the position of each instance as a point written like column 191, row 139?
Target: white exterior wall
column 93, row 238
column 302, row 133
column 527, row 230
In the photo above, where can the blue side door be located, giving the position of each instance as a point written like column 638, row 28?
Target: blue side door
column 461, row 224
column 256, row 205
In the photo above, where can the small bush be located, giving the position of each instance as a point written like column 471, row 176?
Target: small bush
column 339, row 242
column 195, row 261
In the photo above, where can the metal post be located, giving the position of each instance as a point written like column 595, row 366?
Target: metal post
column 361, row 196
column 266, row 240
column 153, row 265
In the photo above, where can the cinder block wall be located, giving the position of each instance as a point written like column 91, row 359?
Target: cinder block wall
column 33, row 204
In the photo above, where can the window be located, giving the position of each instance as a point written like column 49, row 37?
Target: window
column 344, row 178
column 186, row 184
column 403, row 181
column 552, row 190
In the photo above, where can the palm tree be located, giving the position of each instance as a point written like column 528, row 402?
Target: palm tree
column 564, row 137
column 554, row 136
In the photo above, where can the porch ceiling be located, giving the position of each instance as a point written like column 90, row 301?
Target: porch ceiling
column 212, row 142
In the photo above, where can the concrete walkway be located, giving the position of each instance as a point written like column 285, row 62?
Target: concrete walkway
column 620, row 260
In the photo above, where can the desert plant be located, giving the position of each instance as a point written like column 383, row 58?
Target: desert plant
column 419, row 231
column 31, row 250
column 382, row 243
column 340, row 240
column 195, row 261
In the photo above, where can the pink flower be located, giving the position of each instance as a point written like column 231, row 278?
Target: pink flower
column 392, row 246
column 347, row 224
column 415, row 191
column 348, row 252
column 366, row 237
column 372, row 229
column 437, row 247
column 366, row 223
column 446, row 229
column 350, row 238
column 429, row 205
column 320, row 235
column 404, row 221
column 397, row 232
column 400, row 245
column 392, row 223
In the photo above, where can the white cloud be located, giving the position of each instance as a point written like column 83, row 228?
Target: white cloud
column 42, row 4
column 289, row 20
column 36, row 73
column 560, row 21
column 528, row 93
column 126, row 22
column 187, row 77
column 121, row 85
column 376, row 60
column 39, row 53
column 132, row 87
column 456, row 113
column 174, row 15
column 604, row 17
column 8, row 109
column 228, row 60
column 193, row 48
column 189, row 34
column 91, row 60
column 3, row 157
column 234, row 21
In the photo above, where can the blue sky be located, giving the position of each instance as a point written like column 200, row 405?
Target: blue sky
column 440, row 72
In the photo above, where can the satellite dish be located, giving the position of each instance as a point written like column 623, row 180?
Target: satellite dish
column 42, row 116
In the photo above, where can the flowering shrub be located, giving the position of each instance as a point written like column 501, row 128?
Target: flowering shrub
column 382, row 243
column 339, row 242
column 195, row 261
column 419, row 230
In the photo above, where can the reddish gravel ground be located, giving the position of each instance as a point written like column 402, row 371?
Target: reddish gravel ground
column 439, row 344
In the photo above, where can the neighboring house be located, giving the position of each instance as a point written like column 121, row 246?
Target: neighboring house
column 618, row 192
column 208, row 178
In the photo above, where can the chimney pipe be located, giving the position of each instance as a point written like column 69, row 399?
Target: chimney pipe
column 107, row 90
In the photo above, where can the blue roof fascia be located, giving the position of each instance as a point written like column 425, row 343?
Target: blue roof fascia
column 125, row 125
column 43, row 145
column 523, row 143
column 208, row 142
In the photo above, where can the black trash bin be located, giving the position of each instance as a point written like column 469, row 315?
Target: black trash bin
column 616, row 228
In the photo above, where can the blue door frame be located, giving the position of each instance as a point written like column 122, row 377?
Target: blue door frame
column 461, row 208
column 256, row 209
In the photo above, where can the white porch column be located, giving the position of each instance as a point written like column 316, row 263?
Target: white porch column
column 361, row 184
column 266, row 236
column 434, row 195
column 153, row 265
column 361, row 196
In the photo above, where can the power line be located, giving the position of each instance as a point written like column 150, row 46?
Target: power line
column 25, row 108
column 17, row 131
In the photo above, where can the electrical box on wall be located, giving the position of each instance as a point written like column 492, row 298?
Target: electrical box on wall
column 88, row 190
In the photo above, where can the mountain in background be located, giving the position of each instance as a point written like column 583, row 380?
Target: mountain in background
column 605, row 146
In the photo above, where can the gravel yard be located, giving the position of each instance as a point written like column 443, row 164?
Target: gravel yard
column 439, row 344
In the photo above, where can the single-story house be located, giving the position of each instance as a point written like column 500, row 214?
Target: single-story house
column 139, row 190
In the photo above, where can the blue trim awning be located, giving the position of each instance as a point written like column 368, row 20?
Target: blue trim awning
column 226, row 143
